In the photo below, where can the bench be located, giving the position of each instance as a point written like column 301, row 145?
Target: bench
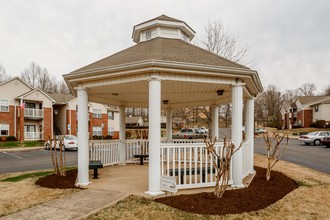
column 95, row 164
column 191, row 171
column 141, row 156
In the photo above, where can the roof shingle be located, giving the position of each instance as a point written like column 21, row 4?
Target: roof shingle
column 163, row 49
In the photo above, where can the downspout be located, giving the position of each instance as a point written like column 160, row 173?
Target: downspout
column 303, row 118
column 69, row 109
column 15, row 120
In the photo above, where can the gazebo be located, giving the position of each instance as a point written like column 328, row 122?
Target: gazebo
column 165, row 71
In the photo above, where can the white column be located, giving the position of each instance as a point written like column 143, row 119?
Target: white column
column 154, row 136
column 249, row 132
column 215, row 121
column 236, row 132
column 122, row 135
column 169, row 115
column 83, row 151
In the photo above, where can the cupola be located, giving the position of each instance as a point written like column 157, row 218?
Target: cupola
column 164, row 27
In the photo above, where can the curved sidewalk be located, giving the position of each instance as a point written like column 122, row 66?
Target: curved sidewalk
column 75, row 206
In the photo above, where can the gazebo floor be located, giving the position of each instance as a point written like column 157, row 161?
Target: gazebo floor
column 133, row 180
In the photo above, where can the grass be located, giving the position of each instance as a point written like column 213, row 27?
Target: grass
column 27, row 175
column 18, row 144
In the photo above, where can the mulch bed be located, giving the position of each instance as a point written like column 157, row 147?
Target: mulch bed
column 59, row 182
column 260, row 194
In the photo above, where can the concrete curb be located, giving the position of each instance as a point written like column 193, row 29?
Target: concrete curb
column 20, row 149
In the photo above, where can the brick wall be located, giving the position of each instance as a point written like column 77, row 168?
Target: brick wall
column 98, row 122
column 73, row 124
column 8, row 118
column 47, row 123
column 308, row 118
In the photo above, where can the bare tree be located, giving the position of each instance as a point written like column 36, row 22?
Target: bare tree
column 3, row 75
column 44, row 81
column 290, row 95
column 31, row 74
column 63, row 88
column 326, row 90
column 221, row 162
column 307, row 89
column 221, row 41
column 268, row 106
column 273, row 153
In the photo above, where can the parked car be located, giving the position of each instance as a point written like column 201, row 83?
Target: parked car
column 189, row 133
column 315, row 137
column 260, row 131
column 70, row 142
column 204, row 130
column 326, row 141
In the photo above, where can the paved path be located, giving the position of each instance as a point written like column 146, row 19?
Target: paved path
column 75, row 206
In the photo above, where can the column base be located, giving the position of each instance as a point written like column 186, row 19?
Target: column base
column 154, row 193
column 238, row 186
column 82, row 184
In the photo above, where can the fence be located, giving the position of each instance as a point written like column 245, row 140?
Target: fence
column 33, row 136
column 190, row 164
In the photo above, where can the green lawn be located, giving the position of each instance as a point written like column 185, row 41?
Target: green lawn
column 17, row 144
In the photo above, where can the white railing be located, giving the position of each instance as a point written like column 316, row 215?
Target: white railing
column 136, row 146
column 33, row 136
column 33, row 113
column 107, row 152
column 190, row 164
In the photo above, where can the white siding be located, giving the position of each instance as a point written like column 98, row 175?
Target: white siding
column 12, row 89
column 323, row 112
column 39, row 96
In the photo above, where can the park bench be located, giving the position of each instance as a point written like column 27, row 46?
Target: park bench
column 95, row 164
column 192, row 171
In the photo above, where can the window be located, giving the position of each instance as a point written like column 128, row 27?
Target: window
column 97, row 131
column 316, row 108
column 148, row 34
column 111, row 131
column 4, row 129
column 97, row 113
column 4, row 106
column 111, row 115
column 30, row 105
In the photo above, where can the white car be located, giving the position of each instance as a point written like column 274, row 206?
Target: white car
column 314, row 137
column 70, row 143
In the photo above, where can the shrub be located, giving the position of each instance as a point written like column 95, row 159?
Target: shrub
column 320, row 123
column 108, row 137
column 11, row 138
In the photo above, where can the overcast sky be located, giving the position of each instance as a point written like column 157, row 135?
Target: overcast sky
column 289, row 41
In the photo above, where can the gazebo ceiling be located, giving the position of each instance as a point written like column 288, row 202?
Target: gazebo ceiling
column 190, row 76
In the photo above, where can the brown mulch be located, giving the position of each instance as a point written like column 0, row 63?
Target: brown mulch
column 59, row 182
column 260, row 194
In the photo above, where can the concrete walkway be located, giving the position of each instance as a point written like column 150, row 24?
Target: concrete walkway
column 75, row 206
column 114, row 184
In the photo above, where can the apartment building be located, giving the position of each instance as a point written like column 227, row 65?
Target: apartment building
column 31, row 114
column 103, row 121
column 25, row 112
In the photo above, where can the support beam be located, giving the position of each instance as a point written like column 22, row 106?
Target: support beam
column 215, row 121
column 154, row 136
column 83, row 152
column 169, row 116
column 236, row 132
column 249, row 132
column 122, row 135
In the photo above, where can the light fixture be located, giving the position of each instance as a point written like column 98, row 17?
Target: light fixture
column 220, row 92
column 165, row 102
column 55, row 111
